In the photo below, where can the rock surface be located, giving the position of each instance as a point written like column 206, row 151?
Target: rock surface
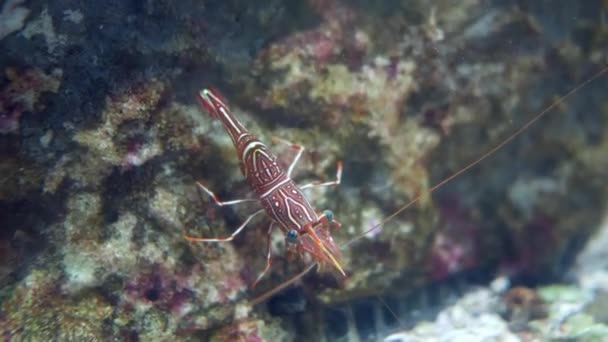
column 102, row 142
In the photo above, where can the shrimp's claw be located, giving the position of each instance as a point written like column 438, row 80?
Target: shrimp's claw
column 320, row 251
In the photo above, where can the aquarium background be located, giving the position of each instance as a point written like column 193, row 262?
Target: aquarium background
column 102, row 142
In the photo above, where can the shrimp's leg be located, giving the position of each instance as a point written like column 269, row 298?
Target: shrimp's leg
column 330, row 183
column 218, row 201
column 297, row 147
column 268, row 256
column 228, row 238
column 300, row 150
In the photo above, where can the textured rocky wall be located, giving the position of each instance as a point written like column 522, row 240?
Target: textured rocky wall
column 101, row 143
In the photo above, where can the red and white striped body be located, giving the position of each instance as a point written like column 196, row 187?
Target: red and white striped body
column 279, row 195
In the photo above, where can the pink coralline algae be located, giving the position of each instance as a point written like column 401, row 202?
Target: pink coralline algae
column 332, row 76
column 455, row 246
column 22, row 94
column 321, row 43
column 160, row 288
column 112, row 143
column 306, row 55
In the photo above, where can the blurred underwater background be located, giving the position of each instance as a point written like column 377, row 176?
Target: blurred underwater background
column 103, row 141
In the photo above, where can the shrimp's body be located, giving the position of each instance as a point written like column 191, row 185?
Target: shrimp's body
column 281, row 198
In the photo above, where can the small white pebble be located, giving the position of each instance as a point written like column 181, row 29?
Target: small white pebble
column 45, row 140
column 500, row 284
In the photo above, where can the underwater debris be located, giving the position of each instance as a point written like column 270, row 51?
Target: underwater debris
column 473, row 317
column 555, row 311
column 523, row 305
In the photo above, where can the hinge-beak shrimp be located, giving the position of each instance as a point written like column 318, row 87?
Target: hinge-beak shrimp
column 307, row 232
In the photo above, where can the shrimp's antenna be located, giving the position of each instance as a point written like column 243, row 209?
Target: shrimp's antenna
column 484, row 156
column 261, row 298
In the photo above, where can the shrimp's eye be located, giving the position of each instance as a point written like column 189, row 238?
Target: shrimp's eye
column 292, row 236
column 329, row 215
